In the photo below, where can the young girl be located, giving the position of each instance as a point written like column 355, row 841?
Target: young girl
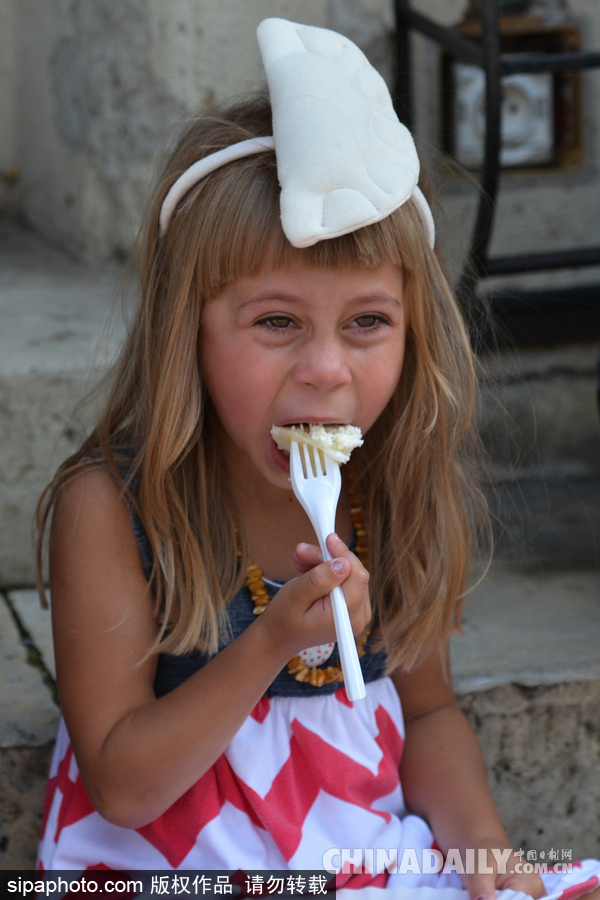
column 196, row 733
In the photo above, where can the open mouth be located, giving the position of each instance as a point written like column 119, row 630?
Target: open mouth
column 295, row 426
column 337, row 441
column 279, row 453
column 305, row 427
column 281, row 458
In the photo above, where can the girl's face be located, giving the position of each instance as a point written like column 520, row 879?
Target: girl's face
column 301, row 345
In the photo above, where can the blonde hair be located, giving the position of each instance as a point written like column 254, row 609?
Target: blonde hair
column 158, row 424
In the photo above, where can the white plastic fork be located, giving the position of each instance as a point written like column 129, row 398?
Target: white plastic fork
column 317, row 487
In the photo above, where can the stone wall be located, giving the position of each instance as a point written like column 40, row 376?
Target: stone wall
column 7, row 93
column 542, row 747
column 99, row 89
column 92, row 91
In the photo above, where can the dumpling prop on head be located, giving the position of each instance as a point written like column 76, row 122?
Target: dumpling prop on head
column 343, row 159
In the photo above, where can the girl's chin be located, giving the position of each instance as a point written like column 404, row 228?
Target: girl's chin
column 280, row 459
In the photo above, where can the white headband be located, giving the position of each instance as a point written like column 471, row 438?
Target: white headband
column 343, row 158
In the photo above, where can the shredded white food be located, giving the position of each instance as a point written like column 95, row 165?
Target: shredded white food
column 338, row 441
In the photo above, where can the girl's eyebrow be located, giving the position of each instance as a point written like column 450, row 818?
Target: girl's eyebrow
column 270, row 295
column 381, row 297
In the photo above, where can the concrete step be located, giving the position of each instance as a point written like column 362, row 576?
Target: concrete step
column 539, row 415
column 35, row 624
column 529, row 627
column 28, row 723
column 56, row 342
column 552, row 521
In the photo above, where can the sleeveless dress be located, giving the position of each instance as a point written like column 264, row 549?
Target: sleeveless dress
column 309, row 773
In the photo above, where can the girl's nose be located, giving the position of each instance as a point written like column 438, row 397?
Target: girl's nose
column 322, row 365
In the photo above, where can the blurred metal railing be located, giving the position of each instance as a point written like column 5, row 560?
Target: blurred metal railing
column 566, row 314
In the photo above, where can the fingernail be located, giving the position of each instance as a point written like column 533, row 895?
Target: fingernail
column 338, row 566
column 302, row 545
column 337, row 537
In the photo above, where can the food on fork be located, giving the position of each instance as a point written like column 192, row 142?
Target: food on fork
column 338, row 441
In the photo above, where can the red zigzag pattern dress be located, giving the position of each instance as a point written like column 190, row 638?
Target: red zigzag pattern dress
column 303, row 774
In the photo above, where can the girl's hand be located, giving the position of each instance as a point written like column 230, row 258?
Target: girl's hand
column 520, row 881
column 483, row 886
column 300, row 615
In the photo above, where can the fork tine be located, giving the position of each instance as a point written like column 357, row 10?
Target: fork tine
column 316, row 461
column 320, row 462
column 307, row 461
column 295, row 457
column 329, row 464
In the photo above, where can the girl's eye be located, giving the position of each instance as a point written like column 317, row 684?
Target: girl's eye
column 369, row 322
column 277, row 323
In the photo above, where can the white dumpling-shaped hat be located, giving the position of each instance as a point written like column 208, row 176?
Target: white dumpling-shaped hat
column 344, row 160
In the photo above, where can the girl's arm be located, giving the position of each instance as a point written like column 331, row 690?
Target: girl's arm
column 444, row 779
column 137, row 755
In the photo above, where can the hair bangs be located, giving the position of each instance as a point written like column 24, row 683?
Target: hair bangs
column 235, row 229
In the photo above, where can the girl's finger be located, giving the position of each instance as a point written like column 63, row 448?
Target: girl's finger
column 323, row 578
column 306, row 557
column 356, row 586
column 482, row 887
column 300, row 614
column 337, row 547
column 532, row 885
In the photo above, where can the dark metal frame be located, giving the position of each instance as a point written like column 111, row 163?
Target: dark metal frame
column 488, row 56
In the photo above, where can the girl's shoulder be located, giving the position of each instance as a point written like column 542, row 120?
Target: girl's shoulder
column 91, row 512
column 97, row 507
column 121, row 479
column 90, row 490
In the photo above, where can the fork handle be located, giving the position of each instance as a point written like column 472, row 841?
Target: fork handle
column 353, row 676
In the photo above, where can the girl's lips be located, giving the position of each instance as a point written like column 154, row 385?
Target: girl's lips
column 311, row 420
column 279, row 458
